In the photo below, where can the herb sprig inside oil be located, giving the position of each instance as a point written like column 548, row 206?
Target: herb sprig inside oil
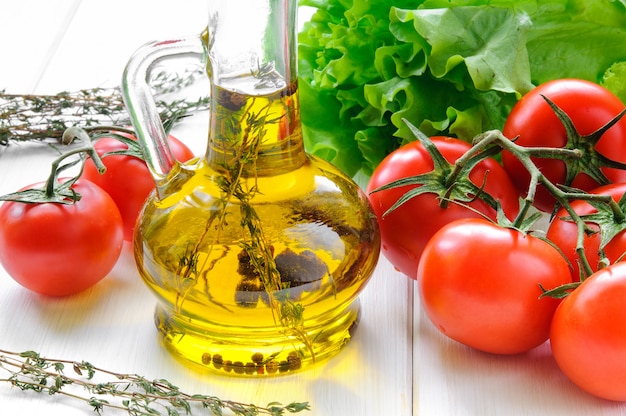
column 244, row 120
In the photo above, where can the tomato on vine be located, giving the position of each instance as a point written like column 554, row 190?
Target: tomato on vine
column 60, row 249
column 570, row 114
column 436, row 193
column 480, row 284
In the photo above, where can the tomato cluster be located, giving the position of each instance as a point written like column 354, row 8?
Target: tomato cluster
column 486, row 277
column 61, row 237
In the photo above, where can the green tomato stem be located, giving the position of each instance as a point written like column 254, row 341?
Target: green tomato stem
column 68, row 137
column 63, row 193
column 119, row 129
column 523, row 154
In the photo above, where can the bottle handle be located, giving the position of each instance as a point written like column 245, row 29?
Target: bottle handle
column 141, row 105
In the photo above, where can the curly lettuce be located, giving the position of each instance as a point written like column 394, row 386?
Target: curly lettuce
column 449, row 66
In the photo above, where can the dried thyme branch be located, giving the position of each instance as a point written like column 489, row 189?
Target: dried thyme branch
column 133, row 394
column 32, row 117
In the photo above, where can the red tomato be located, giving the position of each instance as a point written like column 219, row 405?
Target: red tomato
column 587, row 337
column 56, row 249
column 127, row 178
column 535, row 124
column 479, row 285
column 564, row 233
column 406, row 230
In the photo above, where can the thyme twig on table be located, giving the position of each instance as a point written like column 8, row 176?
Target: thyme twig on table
column 131, row 393
column 31, row 117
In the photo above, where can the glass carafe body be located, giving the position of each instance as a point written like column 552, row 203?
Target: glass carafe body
column 256, row 252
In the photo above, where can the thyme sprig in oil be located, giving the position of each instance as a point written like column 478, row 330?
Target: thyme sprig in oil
column 245, row 121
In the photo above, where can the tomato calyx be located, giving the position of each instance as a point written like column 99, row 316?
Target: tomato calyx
column 611, row 219
column 449, row 181
column 62, row 191
column 589, row 160
column 559, row 292
column 522, row 224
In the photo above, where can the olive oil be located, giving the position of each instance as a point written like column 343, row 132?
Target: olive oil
column 256, row 253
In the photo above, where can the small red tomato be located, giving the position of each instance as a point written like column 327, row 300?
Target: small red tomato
column 127, row 179
column 479, row 284
column 406, row 230
column 588, row 336
column 564, row 233
column 61, row 249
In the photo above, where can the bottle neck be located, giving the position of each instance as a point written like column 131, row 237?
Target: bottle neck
column 256, row 134
column 251, row 62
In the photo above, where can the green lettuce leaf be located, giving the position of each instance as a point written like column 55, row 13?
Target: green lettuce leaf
column 614, row 79
column 488, row 42
column 451, row 67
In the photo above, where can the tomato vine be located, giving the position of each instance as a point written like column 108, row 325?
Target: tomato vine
column 450, row 183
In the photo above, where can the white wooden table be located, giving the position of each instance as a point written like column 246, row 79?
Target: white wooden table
column 397, row 364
